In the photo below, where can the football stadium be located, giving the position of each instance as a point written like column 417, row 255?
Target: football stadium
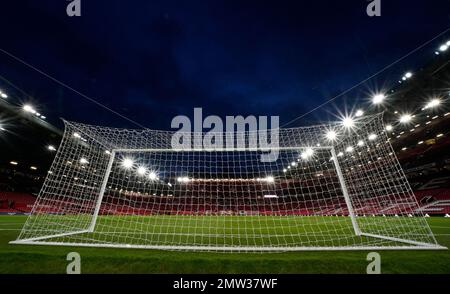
column 371, row 173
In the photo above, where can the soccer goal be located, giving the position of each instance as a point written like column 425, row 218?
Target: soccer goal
column 326, row 187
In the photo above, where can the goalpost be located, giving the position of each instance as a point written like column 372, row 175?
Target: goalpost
column 130, row 189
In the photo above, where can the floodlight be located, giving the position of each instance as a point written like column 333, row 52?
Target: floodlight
column 348, row 122
column 331, row 135
column 359, row 113
column 406, row 118
column 377, row 99
column 127, row 163
column 51, row 148
column 389, row 128
column 141, row 170
column 307, row 153
column 270, row 179
column 153, row 176
column 433, row 103
column 84, row 161
column 28, row 108
column 372, row 137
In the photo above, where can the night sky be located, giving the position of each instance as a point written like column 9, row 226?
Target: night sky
column 153, row 60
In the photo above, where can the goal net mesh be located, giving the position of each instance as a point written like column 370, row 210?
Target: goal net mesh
column 129, row 188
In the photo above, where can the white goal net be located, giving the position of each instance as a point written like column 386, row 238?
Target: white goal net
column 129, row 188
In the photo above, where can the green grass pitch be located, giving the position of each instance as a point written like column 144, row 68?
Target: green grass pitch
column 52, row 259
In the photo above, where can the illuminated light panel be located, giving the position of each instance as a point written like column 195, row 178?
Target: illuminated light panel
column 270, row 196
column 13, row 162
column 84, row 161
column 183, row 179
column 33, row 168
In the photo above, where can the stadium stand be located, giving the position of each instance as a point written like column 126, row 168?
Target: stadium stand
column 11, row 202
column 422, row 148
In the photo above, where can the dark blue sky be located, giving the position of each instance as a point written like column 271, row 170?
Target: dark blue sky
column 153, row 60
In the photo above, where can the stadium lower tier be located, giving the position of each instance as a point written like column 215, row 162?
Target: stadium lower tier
column 431, row 202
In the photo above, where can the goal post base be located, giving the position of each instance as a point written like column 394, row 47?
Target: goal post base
column 48, row 237
column 232, row 249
